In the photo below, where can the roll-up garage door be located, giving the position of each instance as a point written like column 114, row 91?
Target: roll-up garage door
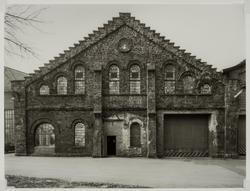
column 242, row 135
column 186, row 135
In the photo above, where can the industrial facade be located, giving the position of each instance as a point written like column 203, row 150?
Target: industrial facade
column 126, row 91
column 10, row 74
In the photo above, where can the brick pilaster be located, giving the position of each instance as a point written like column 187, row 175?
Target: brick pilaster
column 151, row 111
column 98, row 129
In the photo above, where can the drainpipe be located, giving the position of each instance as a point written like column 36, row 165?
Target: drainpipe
column 147, row 141
column 225, row 120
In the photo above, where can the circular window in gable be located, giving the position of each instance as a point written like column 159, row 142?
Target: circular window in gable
column 125, row 45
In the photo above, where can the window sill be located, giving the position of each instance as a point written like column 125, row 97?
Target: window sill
column 142, row 94
column 61, row 95
column 78, row 147
column 138, row 147
column 185, row 94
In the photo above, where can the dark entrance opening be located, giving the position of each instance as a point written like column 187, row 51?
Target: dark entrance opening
column 111, row 145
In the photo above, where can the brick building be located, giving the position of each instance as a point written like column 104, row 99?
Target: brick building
column 235, row 107
column 126, row 91
column 10, row 74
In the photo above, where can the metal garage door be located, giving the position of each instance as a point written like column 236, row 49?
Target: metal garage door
column 186, row 135
column 242, row 135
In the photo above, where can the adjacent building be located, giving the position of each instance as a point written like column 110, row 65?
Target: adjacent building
column 9, row 75
column 235, row 107
column 124, row 90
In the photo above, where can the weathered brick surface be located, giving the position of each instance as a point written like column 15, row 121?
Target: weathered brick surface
column 151, row 52
column 235, row 81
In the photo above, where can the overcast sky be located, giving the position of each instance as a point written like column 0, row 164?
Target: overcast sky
column 214, row 33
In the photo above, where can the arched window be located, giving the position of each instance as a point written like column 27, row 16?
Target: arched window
column 188, row 84
column 169, row 79
column 80, row 135
column 135, row 79
column 79, row 80
column 44, row 90
column 114, row 83
column 62, row 85
column 205, row 89
column 135, row 135
column 45, row 135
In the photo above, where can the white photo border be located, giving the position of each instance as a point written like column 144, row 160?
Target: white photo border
column 3, row 4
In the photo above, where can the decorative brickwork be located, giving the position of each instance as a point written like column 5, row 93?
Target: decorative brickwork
column 125, row 42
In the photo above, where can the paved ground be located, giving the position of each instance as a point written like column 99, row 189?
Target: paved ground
column 161, row 173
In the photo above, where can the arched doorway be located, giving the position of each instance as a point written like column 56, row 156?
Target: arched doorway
column 44, row 139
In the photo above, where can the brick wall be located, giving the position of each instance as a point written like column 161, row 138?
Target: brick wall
column 96, row 103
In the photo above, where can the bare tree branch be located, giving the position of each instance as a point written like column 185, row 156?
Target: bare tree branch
column 17, row 19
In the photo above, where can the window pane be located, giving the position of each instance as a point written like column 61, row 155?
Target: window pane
column 80, row 134
column 45, row 135
column 44, row 90
column 114, row 72
column 79, row 73
column 135, row 72
column 79, row 87
column 170, row 72
column 114, row 87
column 135, row 87
column 9, row 132
column 169, row 87
column 113, row 75
column 61, row 85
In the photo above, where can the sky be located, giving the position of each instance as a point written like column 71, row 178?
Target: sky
column 213, row 33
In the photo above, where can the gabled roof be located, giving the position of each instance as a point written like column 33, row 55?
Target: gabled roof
column 11, row 74
column 112, row 25
column 241, row 64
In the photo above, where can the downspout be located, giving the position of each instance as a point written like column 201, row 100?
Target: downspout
column 225, row 121
column 147, row 117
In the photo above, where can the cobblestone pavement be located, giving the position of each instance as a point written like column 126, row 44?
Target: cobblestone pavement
column 158, row 173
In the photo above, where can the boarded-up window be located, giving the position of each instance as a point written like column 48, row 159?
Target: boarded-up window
column 169, row 79
column 80, row 134
column 206, row 89
column 45, row 135
column 61, row 85
column 79, row 80
column 135, row 135
column 114, row 84
column 188, row 84
column 44, row 90
column 135, row 80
